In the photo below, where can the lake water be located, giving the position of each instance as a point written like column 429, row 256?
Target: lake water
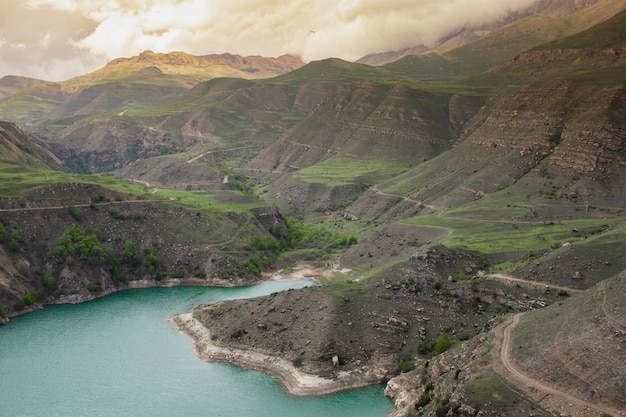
column 118, row 356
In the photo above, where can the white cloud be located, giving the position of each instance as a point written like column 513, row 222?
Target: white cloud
column 101, row 30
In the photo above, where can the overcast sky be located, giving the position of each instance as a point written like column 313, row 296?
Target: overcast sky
column 58, row 39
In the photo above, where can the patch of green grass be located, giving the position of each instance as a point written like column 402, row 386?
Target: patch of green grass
column 490, row 393
column 340, row 170
column 341, row 286
column 211, row 200
column 489, row 236
column 17, row 179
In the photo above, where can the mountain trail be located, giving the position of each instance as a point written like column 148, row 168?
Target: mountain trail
column 548, row 396
column 195, row 158
column 533, row 283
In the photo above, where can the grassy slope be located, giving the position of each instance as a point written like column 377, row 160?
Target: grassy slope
column 126, row 83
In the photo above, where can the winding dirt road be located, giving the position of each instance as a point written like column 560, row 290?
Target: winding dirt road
column 524, row 381
column 532, row 283
column 194, row 159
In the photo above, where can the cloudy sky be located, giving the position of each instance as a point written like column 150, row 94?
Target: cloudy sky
column 58, row 39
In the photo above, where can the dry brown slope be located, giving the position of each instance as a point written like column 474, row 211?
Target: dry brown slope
column 579, row 346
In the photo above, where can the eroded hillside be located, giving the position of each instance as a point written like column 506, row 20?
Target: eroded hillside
column 72, row 242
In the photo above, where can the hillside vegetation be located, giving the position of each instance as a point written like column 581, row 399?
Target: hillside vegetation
column 431, row 196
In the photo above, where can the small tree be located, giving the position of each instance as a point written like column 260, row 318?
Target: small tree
column 131, row 254
column 3, row 233
column 83, row 243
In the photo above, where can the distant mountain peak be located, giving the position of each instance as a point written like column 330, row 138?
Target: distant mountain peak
column 191, row 63
column 199, row 68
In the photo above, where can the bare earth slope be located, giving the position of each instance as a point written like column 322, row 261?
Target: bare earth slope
column 579, row 346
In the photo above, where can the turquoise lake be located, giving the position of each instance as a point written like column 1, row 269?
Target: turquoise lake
column 118, row 356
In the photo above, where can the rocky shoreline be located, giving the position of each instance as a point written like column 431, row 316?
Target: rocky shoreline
column 293, row 380
column 131, row 285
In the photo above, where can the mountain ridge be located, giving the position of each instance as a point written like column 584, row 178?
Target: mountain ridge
column 549, row 19
column 126, row 82
column 199, row 67
column 436, row 178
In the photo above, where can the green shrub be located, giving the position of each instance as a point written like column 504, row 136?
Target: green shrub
column 150, row 260
column 267, row 244
column 425, row 348
column 406, row 361
column 442, row 344
column 116, row 272
column 122, row 216
column 252, row 266
column 405, row 366
column 98, row 198
column 15, row 241
column 131, row 254
column 179, row 273
column 48, row 281
column 116, row 214
column 75, row 212
column 3, row 233
column 83, row 243
column 94, row 286
column 442, row 409
column 300, row 235
column 32, row 297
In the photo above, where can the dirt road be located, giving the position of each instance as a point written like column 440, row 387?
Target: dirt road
column 575, row 406
column 540, row 284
